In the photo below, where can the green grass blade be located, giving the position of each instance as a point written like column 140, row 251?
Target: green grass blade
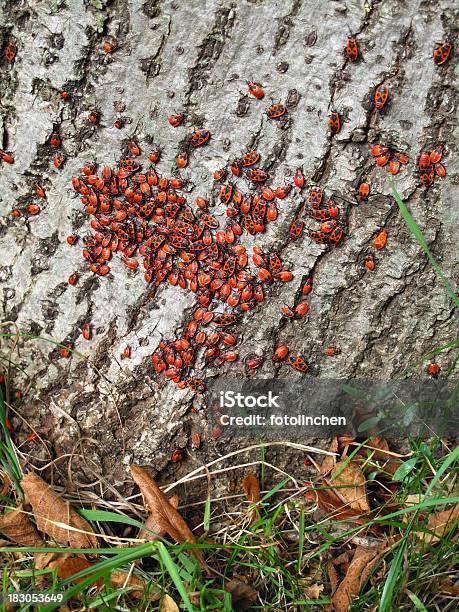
column 392, row 578
column 417, row 602
column 207, row 514
column 414, row 229
column 174, row 574
column 301, row 539
column 113, row 517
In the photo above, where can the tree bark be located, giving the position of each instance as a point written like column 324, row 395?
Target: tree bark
column 196, row 56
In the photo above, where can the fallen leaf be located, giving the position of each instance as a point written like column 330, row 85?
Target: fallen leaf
column 329, row 461
column 314, row 591
column 139, row 588
column 447, row 586
column 6, row 485
column 343, row 558
column 45, row 559
column 168, row 605
column 440, row 523
column 362, row 564
column 332, row 576
column 329, row 501
column 69, row 566
column 18, row 527
column 251, row 486
column 56, row 517
column 240, row 591
column 388, row 464
column 152, row 524
column 167, row 518
column 349, row 482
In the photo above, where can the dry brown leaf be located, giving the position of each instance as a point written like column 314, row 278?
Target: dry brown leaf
column 343, row 558
column 44, row 560
column 332, row 576
column 152, row 524
column 314, row 591
column 440, row 523
column 447, row 586
column 168, row 605
column 120, row 579
column 362, row 564
column 166, row 516
column 17, row 526
column 329, row 501
column 251, row 486
column 69, row 566
column 6, row 485
column 240, row 591
column 56, row 517
column 388, row 464
column 329, row 461
column 349, row 482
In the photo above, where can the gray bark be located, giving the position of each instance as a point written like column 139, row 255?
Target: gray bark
column 196, row 56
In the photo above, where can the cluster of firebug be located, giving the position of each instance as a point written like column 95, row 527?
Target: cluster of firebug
column 330, row 230
column 429, row 166
column 390, row 157
column 145, row 216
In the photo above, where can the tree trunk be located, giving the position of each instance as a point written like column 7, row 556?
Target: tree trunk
column 196, row 56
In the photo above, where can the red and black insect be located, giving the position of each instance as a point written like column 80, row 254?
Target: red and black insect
column 236, row 167
column 225, row 320
column 55, row 140
column 6, row 157
column 250, row 158
column 442, row 52
column 334, row 122
column 324, row 214
column 352, row 50
column 10, row 52
column 219, row 174
column 176, row 120
column 424, row 161
column 283, row 191
column 275, row 263
column 200, row 138
column 436, row 154
column 381, row 96
column 315, row 197
column 298, row 363
column 257, row 175
column 364, row 191
column 276, row 111
column 127, row 167
column 256, row 90
column 319, row 237
column 428, row 177
column 296, row 229
column 298, row 178
column 336, row 235
column 226, row 193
